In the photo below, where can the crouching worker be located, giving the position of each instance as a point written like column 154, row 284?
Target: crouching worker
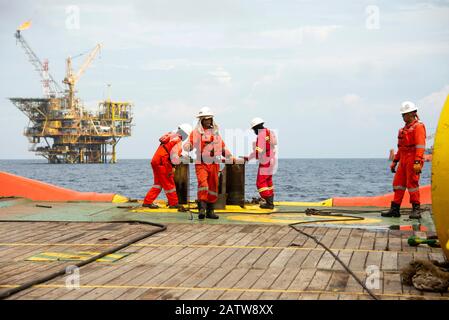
column 165, row 158
column 264, row 152
column 209, row 145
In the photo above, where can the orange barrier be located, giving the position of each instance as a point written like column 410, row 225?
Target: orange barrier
column 16, row 186
column 382, row 201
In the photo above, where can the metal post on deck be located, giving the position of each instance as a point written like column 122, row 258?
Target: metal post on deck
column 231, row 186
column 231, row 189
column 235, row 184
column 182, row 177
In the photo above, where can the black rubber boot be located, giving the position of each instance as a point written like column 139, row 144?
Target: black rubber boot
column 176, row 206
column 416, row 211
column 150, row 205
column 210, row 211
column 394, row 211
column 201, row 210
column 268, row 203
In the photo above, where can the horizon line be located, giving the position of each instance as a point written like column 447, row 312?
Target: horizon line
column 284, row 158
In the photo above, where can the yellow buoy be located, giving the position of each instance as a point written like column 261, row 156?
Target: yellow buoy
column 440, row 179
column 119, row 199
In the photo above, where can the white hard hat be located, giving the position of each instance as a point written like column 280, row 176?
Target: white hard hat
column 256, row 121
column 205, row 112
column 408, row 106
column 187, row 128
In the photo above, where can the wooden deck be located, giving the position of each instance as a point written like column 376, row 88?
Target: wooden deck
column 203, row 261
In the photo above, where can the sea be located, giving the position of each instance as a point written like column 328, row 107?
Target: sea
column 295, row 179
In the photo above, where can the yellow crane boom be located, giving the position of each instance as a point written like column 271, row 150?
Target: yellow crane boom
column 71, row 79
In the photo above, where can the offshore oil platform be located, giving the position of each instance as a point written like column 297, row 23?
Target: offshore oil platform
column 60, row 128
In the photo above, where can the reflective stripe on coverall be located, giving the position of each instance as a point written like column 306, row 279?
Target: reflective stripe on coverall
column 209, row 147
column 167, row 153
column 264, row 152
column 411, row 147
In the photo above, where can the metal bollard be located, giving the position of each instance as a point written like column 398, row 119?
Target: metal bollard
column 235, row 184
column 182, row 182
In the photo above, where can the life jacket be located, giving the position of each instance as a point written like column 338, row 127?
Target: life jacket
column 265, row 143
column 208, row 144
column 169, row 149
column 412, row 139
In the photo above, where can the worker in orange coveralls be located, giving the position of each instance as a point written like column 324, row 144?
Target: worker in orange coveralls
column 210, row 147
column 411, row 147
column 166, row 156
column 264, row 152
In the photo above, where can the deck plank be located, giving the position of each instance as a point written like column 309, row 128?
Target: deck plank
column 211, row 261
column 358, row 260
column 368, row 240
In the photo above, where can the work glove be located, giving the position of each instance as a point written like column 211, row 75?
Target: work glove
column 393, row 166
column 417, row 167
column 172, row 172
column 229, row 160
column 239, row 160
column 185, row 159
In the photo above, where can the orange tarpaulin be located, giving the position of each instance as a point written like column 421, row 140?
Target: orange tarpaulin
column 16, row 186
column 382, row 201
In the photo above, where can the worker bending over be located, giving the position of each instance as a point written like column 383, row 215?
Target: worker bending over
column 411, row 147
column 165, row 158
column 210, row 147
column 264, row 152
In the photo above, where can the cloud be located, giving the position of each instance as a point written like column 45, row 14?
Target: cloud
column 266, row 79
column 161, row 65
column 436, row 99
column 430, row 106
column 288, row 37
column 221, row 76
column 174, row 110
column 351, row 99
column 116, row 66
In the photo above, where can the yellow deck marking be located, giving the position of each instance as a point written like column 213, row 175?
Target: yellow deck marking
column 125, row 287
column 229, row 209
column 325, row 203
column 249, row 208
column 160, row 210
column 75, row 256
column 291, row 218
column 169, row 245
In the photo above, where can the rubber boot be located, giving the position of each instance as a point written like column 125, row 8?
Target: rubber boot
column 394, row 211
column 416, row 211
column 150, row 205
column 210, row 211
column 268, row 203
column 178, row 207
column 201, row 210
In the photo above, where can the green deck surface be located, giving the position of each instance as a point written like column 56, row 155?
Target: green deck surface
column 26, row 210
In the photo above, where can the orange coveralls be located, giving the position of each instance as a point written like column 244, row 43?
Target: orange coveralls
column 265, row 153
column 411, row 147
column 166, row 155
column 209, row 147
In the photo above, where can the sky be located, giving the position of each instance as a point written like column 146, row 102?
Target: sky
column 328, row 76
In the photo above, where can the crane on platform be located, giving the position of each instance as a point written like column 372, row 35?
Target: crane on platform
column 72, row 78
column 50, row 86
column 71, row 133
